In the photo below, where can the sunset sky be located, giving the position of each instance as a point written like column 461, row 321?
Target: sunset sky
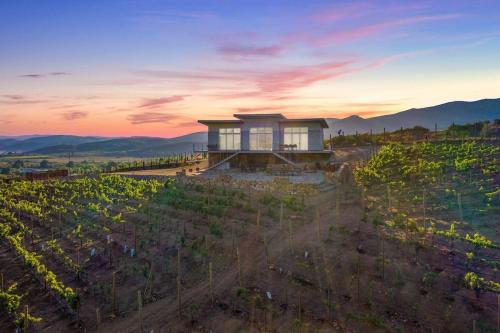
column 152, row 67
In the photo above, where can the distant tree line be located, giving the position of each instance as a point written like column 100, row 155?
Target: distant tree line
column 485, row 129
column 478, row 129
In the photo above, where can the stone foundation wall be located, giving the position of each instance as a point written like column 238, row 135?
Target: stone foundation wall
column 249, row 162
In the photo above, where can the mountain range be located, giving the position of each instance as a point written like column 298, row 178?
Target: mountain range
column 128, row 146
column 442, row 116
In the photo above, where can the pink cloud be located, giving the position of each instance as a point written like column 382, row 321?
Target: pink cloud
column 372, row 29
column 242, row 52
column 279, row 84
column 199, row 75
column 74, row 115
column 343, row 12
column 370, row 105
column 20, row 99
column 150, row 117
column 40, row 75
column 14, row 97
column 155, row 102
column 300, row 77
column 362, row 9
column 260, row 109
column 32, row 76
column 59, row 73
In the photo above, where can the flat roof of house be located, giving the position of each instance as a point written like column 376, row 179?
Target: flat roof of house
column 322, row 121
column 282, row 119
column 258, row 115
column 224, row 121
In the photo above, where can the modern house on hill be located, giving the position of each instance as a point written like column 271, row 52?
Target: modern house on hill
column 256, row 140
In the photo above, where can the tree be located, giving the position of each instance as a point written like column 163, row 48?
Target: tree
column 18, row 164
column 44, row 164
column 5, row 171
column 70, row 164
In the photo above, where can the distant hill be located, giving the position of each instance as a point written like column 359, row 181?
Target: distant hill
column 132, row 146
column 443, row 115
column 38, row 142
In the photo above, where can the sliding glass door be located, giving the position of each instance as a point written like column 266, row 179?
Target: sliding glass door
column 261, row 138
column 296, row 138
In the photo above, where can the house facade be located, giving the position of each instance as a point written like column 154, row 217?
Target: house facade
column 256, row 140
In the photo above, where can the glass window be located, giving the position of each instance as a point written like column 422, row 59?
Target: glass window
column 261, row 138
column 296, row 138
column 229, row 139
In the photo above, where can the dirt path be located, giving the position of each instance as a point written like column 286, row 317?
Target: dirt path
column 162, row 316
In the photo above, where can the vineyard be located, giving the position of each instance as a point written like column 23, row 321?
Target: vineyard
column 409, row 243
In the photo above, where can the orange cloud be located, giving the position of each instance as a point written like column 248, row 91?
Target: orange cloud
column 74, row 115
column 154, row 102
column 157, row 117
column 260, row 109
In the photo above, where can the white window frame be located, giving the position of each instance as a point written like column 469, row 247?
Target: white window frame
column 230, row 138
column 261, row 138
column 296, row 136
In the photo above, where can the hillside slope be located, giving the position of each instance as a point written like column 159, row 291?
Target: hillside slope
column 38, row 142
column 134, row 146
column 442, row 115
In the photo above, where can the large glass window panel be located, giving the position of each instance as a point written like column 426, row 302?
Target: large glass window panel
column 261, row 138
column 229, row 138
column 296, row 138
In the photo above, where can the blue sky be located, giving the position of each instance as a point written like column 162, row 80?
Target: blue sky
column 153, row 67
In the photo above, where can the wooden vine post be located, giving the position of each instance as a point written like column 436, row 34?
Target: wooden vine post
column 299, row 314
column 109, row 255
column 388, row 198
column 266, row 250
column 328, row 304
column 383, row 258
column 113, row 294
column 60, row 224
column 26, row 319
column 258, row 221
column 358, row 272
column 459, row 202
column 135, row 238
column 337, row 205
column 240, row 280
column 290, row 236
column 329, row 280
column 424, row 212
column 148, row 290
column 318, row 225
column 281, row 215
column 78, row 261
column 406, row 228
column 211, row 281
column 98, row 320
column 139, row 307
column 179, row 301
